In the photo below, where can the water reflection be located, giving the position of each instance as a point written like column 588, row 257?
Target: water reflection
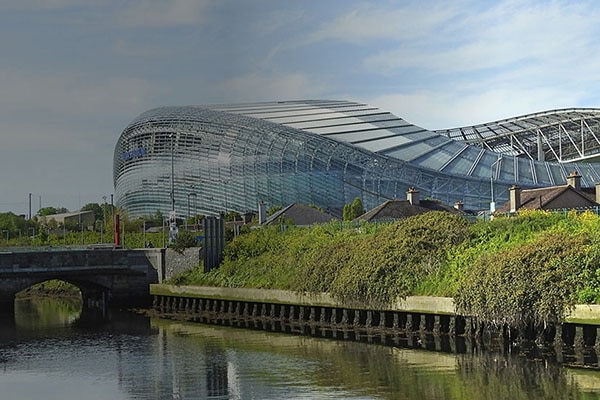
column 362, row 370
column 130, row 356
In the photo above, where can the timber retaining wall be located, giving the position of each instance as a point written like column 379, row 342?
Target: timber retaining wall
column 415, row 314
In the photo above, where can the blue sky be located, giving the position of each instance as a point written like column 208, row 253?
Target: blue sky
column 73, row 74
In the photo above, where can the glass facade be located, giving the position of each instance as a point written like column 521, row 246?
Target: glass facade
column 212, row 159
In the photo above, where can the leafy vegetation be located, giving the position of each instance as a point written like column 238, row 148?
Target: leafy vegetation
column 184, row 240
column 353, row 210
column 522, row 270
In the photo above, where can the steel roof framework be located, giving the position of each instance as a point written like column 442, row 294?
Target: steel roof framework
column 565, row 135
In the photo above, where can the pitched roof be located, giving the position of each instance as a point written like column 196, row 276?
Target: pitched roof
column 540, row 199
column 397, row 209
column 300, row 214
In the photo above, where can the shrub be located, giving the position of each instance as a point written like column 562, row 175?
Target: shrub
column 528, row 285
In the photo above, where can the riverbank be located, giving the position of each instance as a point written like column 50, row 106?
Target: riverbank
column 588, row 314
column 415, row 317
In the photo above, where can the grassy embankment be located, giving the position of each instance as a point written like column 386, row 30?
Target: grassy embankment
column 528, row 269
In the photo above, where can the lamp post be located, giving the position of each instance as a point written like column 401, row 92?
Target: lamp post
column 173, row 216
column 103, row 227
column 189, row 213
column 172, row 173
column 493, row 201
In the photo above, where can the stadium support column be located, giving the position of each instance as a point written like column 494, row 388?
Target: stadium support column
column 540, row 148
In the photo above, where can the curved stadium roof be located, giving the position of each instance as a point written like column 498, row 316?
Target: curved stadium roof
column 559, row 135
column 372, row 153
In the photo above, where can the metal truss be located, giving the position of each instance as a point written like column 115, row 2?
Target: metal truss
column 566, row 135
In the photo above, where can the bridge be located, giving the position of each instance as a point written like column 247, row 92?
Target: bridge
column 106, row 277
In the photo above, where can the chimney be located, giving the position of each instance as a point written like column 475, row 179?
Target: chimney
column 262, row 212
column 459, row 205
column 413, row 196
column 574, row 180
column 515, row 198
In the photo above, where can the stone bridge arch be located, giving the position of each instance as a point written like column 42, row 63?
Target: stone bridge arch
column 106, row 277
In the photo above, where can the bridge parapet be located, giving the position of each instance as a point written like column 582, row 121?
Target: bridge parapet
column 120, row 277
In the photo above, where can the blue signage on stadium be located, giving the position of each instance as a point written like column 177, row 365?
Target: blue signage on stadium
column 135, row 153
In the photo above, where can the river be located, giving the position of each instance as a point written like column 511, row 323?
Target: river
column 49, row 351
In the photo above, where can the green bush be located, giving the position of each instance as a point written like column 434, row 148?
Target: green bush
column 184, row 240
column 528, row 269
column 532, row 284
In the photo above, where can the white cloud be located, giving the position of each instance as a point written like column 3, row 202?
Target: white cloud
column 505, row 35
column 439, row 110
column 374, row 21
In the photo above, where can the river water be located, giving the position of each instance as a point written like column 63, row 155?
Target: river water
column 49, row 351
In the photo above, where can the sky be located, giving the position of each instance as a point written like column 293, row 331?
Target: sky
column 75, row 73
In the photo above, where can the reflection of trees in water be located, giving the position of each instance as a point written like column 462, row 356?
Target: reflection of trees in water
column 376, row 370
column 486, row 376
column 43, row 312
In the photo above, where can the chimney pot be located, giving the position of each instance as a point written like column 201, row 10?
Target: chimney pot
column 262, row 212
column 574, row 180
column 412, row 196
column 515, row 198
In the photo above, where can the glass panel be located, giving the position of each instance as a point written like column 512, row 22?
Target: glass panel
column 437, row 159
column 463, row 163
column 541, row 173
column 525, row 171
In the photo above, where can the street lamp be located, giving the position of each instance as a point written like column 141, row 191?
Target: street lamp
column 173, row 216
column 189, row 214
column 103, row 227
column 497, row 165
column 172, row 173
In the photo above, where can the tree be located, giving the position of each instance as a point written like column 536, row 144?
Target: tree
column 158, row 218
column 273, row 210
column 353, row 210
column 14, row 223
column 347, row 214
column 184, row 240
column 357, row 208
column 95, row 207
column 231, row 216
column 42, row 212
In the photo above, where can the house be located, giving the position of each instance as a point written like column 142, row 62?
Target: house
column 86, row 218
column 413, row 205
column 566, row 196
column 300, row 214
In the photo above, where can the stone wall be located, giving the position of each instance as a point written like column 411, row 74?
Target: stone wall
column 176, row 263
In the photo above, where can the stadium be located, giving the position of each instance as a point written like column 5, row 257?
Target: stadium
column 218, row 158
